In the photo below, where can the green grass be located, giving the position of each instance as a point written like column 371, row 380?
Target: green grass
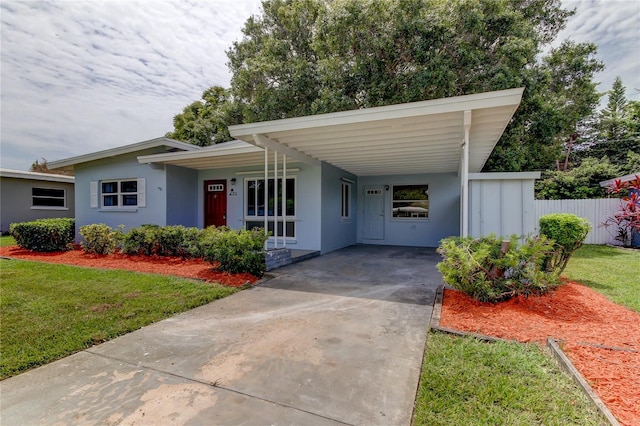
column 609, row 270
column 468, row 382
column 7, row 240
column 51, row 311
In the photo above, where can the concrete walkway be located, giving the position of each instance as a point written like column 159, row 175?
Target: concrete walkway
column 336, row 339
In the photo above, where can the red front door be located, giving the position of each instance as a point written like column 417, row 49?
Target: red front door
column 215, row 203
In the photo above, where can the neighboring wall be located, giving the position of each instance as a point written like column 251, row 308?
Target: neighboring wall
column 336, row 231
column 17, row 206
column 444, row 210
column 596, row 211
column 502, row 204
column 121, row 167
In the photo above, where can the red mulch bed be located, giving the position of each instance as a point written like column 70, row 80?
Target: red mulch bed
column 583, row 319
column 188, row 268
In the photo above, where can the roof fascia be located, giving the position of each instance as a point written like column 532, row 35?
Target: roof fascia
column 435, row 106
column 200, row 154
column 125, row 149
column 17, row 174
column 505, row 176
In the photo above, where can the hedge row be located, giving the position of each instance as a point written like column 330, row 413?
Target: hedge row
column 44, row 234
column 230, row 250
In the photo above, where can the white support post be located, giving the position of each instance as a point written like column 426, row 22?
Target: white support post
column 266, row 193
column 275, row 198
column 465, row 175
column 284, row 201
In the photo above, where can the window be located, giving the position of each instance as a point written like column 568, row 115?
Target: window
column 121, row 193
column 255, row 205
column 410, row 201
column 346, row 200
column 48, row 197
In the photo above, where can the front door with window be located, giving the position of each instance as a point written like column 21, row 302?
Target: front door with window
column 373, row 213
column 215, row 203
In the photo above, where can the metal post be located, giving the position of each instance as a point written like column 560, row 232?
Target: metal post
column 465, row 175
column 284, row 201
column 275, row 198
column 266, row 192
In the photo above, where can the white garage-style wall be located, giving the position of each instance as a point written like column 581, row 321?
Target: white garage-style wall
column 502, row 203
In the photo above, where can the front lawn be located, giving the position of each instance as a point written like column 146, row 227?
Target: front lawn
column 7, row 240
column 468, row 382
column 611, row 271
column 51, row 311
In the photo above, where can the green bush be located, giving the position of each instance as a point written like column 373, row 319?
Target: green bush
column 142, row 240
column 235, row 250
column 100, row 239
column 478, row 268
column 177, row 241
column 44, row 234
column 568, row 232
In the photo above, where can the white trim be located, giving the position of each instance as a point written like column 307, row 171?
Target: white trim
column 49, row 208
column 254, row 172
column 119, row 194
column 47, row 177
column 504, row 176
column 125, row 149
column 464, row 193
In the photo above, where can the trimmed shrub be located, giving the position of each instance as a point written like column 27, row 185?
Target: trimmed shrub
column 177, row 241
column 235, row 250
column 480, row 269
column 142, row 240
column 100, row 239
column 568, row 232
column 44, row 234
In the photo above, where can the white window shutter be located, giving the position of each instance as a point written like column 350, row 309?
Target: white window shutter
column 94, row 194
column 142, row 198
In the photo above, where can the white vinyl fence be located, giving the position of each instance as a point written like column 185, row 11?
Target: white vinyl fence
column 595, row 211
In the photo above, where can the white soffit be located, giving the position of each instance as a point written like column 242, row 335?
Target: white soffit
column 417, row 137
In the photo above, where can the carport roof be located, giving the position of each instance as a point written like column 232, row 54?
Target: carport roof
column 410, row 138
column 417, row 137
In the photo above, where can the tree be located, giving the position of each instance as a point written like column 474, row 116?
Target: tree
column 615, row 129
column 577, row 183
column 43, row 167
column 302, row 57
column 205, row 123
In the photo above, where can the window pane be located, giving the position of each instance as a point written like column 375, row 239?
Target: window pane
column 291, row 198
column 129, row 186
column 345, row 200
column 47, row 192
column 48, row 202
column 415, row 209
column 251, row 198
column 129, row 200
column 110, row 200
column 271, row 199
column 260, row 193
column 109, row 187
column 411, row 192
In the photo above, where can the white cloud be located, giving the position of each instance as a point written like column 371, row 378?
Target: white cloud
column 81, row 76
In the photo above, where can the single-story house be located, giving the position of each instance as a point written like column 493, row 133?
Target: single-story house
column 398, row 175
column 26, row 196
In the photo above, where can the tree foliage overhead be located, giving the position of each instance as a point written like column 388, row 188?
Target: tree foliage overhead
column 302, row 57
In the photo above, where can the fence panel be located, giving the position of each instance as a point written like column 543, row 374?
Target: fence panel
column 595, row 211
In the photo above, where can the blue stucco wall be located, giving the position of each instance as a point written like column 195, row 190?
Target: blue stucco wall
column 121, row 167
column 307, row 200
column 182, row 196
column 444, row 210
column 337, row 232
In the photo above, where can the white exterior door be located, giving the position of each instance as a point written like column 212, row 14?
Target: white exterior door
column 373, row 213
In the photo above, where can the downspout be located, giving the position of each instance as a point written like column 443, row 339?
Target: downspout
column 465, row 175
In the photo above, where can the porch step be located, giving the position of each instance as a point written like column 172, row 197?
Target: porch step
column 277, row 258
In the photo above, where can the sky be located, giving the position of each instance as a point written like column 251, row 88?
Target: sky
column 83, row 76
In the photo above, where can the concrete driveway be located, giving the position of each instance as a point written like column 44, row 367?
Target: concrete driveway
column 336, row 339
